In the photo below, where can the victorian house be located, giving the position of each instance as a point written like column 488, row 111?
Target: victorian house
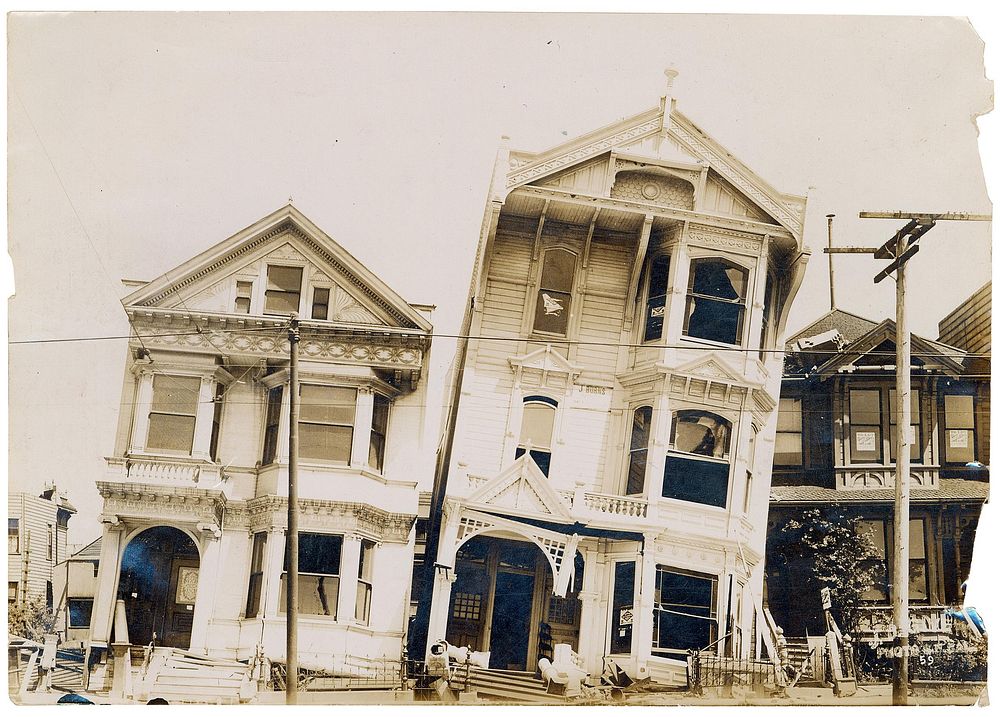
column 194, row 499
column 37, row 527
column 836, row 450
column 604, row 477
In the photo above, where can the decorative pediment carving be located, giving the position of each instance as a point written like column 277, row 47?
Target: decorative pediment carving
column 544, row 361
column 521, row 489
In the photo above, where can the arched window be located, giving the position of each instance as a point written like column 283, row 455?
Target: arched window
column 642, row 417
column 716, row 301
column 656, row 297
column 697, row 466
column 555, row 297
column 537, row 422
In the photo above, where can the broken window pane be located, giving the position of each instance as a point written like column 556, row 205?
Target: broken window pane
column 554, row 300
column 716, row 297
column 659, row 270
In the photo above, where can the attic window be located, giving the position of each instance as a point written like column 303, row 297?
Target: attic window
column 284, row 287
column 321, row 303
column 243, row 291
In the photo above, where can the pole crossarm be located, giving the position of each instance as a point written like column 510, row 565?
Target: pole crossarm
column 924, row 217
column 851, row 250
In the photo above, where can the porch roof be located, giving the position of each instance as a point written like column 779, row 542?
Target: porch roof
column 570, row 528
column 951, row 490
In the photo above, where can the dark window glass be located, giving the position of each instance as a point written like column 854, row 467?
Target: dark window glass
column 716, row 298
column 271, row 425
column 80, row 610
column 380, row 425
column 284, row 285
column 213, row 449
column 659, row 270
column 321, row 303
column 553, row 305
column 319, row 574
column 638, row 450
column 878, row 589
column 684, row 612
column 788, row 438
column 705, row 482
column 173, row 412
column 256, row 574
column 697, row 466
column 622, row 609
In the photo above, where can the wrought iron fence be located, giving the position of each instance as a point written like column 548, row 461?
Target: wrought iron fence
column 376, row 675
column 706, row 670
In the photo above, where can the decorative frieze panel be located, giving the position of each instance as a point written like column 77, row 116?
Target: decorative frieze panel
column 163, row 503
column 868, row 477
column 719, row 393
column 724, row 239
column 655, row 189
column 327, row 516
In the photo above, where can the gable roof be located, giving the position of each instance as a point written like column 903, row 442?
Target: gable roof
column 685, row 142
column 851, row 327
column 924, row 351
column 283, row 222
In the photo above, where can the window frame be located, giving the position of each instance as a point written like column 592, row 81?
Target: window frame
column 383, row 435
column 800, row 432
column 946, row 428
column 520, row 447
column 69, row 612
column 240, row 297
column 255, row 581
column 328, row 423
column 886, row 426
column 741, row 303
column 335, row 592
column 272, row 423
column 366, row 582
column 173, row 377
column 539, row 289
column 712, row 617
column 674, row 455
column 268, row 291
column 650, row 296
column 16, row 535
column 631, row 451
column 313, row 303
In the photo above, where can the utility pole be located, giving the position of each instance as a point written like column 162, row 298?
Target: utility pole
column 829, row 243
column 292, row 538
column 900, row 248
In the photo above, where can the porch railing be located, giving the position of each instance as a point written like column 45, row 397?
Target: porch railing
column 163, row 471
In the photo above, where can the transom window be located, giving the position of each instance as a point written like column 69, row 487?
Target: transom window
column 788, row 438
column 959, row 429
column 319, row 574
column 716, row 301
column 555, row 297
column 284, row 287
column 326, row 423
column 684, row 616
column 537, row 421
column 656, row 299
column 642, row 418
column 697, row 466
column 173, row 413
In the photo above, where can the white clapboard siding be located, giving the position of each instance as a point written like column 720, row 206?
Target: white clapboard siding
column 722, row 197
column 583, row 441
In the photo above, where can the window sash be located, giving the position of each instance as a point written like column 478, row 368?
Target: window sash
column 684, row 613
column 696, row 479
column 256, row 574
column 320, row 303
column 554, row 299
column 272, row 419
column 173, row 413
column 244, row 291
column 326, row 422
column 284, row 289
column 659, row 274
column 959, row 433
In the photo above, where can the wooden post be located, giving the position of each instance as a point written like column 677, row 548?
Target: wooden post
column 292, row 538
column 829, row 255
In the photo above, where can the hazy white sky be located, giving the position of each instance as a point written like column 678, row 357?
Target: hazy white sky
column 138, row 141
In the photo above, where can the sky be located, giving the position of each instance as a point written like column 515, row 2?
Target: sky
column 136, row 141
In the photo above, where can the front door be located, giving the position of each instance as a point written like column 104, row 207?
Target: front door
column 510, row 630
column 181, row 594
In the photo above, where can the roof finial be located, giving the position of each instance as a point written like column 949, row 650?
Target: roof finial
column 666, row 105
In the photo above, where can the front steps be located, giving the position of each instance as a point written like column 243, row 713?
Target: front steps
column 504, row 685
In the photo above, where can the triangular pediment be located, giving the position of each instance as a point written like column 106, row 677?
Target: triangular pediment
column 546, row 360
column 521, row 489
column 712, row 368
column 584, row 164
column 281, row 261
column 878, row 348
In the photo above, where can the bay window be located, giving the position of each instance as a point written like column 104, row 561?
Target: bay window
column 697, row 465
column 537, row 421
column 319, row 574
column 256, row 573
column 173, row 413
column 684, row 616
column 716, row 301
column 555, row 292
column 326, row 423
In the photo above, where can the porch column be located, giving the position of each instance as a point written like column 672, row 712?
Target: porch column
column 642, row 631
column 107, row 579
column 589, row 644
column 440, row 602
column 209, row 568
column 350, row 559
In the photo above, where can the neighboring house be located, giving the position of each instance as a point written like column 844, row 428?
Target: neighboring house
column 195, row 497
column 604, row 477
column 36, row 541
column 835, row 446
column 75, row 583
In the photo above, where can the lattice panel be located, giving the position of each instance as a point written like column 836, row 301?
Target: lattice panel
column 469, row 527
